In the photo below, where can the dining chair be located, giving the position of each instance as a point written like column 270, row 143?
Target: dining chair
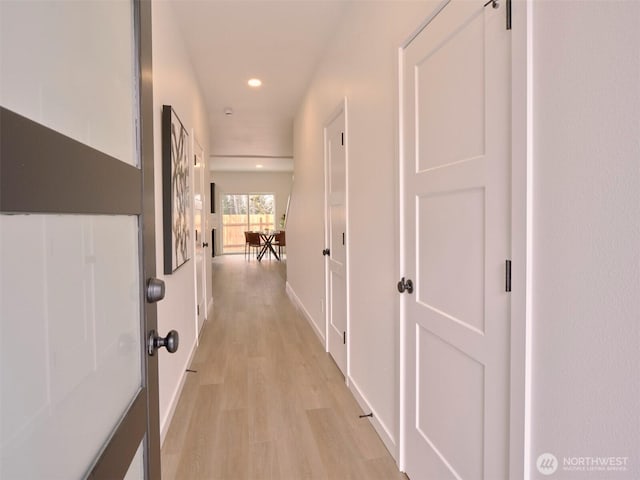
column 281, row 241
column 252, row 239
column 246, row 243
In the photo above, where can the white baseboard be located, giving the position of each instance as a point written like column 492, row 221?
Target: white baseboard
column 298, row 304
column 381, row 429
column 166, row 422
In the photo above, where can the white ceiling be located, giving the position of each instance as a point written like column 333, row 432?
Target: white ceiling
column 278, row 41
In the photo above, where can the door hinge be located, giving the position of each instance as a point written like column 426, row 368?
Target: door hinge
column 195, row 160
column 342, row 238
column 496, row 4
column 344, row 338
column 198, row 308
column 342, row 138
column 507, row 275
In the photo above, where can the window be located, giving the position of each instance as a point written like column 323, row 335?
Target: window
column 245, row 212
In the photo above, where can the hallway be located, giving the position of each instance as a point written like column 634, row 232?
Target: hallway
column 266, row 401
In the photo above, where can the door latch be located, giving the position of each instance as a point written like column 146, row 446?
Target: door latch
column 155, row 290
column 405, row 285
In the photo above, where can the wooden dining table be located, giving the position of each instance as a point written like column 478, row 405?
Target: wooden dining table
column 267, row 245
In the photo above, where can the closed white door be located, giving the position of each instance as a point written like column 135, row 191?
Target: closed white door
column 456, row 203
column 200, row 233
column 336, row 252
column 78, row 390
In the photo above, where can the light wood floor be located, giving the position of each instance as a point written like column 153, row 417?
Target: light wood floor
column 267, row 402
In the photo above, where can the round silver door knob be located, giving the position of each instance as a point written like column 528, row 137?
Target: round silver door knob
column 170, row 342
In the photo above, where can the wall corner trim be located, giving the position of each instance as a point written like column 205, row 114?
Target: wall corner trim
column 210, row 309
column 298, row 304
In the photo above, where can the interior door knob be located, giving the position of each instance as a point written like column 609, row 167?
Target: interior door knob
column 205, row 245
column 326, row 252
column 170, row 342
column 405, row 285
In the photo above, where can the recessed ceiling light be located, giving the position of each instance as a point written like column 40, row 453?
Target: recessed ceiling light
column 254, row 82
column 259, row 166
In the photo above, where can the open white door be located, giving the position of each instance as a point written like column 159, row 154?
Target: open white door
column 200, row 232
column 456, row 207
column 335, row 233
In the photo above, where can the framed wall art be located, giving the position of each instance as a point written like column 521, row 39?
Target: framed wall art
column 175, row 191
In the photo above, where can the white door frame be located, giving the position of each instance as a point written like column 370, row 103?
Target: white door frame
column 342, row 107
column 521, row 244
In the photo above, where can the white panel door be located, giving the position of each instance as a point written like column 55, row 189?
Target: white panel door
column 200, row 232
column 335, row 185
column 456, row 200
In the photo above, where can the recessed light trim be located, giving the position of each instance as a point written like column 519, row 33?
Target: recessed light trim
column 259, row 165
column 254, row 82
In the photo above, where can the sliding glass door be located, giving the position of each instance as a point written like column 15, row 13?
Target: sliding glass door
column 245, row 212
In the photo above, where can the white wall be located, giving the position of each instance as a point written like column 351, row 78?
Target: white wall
column 174, row 83
column 278, row 183
column 586, row 234
column 361, row 64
